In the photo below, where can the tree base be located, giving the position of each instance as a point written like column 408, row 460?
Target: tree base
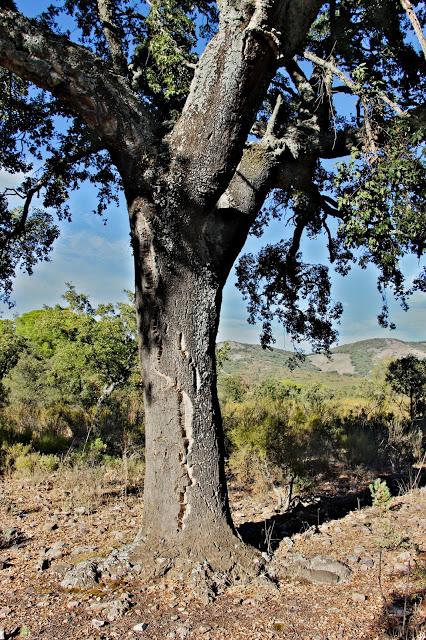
column 207, row 567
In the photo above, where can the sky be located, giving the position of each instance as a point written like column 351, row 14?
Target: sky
column 97, row 259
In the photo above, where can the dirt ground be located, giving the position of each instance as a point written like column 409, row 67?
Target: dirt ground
column 384, row 597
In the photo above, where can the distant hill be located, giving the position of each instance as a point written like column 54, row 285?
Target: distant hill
column 350, row 360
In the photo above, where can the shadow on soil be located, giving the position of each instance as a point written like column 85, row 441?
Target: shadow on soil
column 266, row 535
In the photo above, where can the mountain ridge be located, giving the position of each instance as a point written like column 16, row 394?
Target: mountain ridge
column 356, row 358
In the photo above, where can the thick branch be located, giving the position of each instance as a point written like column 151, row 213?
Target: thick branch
column 326, row 64
column 415, row 23
column 76, row 76
column 113, row 36
column 229, row 84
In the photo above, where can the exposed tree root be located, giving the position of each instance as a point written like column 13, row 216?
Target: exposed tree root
column 207, row 567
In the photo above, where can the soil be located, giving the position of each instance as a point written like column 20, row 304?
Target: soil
column 385, row 548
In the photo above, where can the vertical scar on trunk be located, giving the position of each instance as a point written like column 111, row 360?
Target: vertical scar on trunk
column 186, row 413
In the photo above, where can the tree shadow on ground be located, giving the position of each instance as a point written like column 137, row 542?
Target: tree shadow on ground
column 266, row 535
column 403, row 614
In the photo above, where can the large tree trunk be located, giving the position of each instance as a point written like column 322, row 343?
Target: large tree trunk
column 178, row 298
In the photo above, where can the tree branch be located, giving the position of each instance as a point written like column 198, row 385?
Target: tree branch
column 415, row 23
column 113, row 36
column 28, row 196
column 76, row 76
column 229, row 84
column 347, row 80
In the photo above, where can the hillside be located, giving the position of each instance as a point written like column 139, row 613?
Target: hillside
column 354, row 359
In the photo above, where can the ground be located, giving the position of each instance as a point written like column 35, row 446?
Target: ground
column 44, row 533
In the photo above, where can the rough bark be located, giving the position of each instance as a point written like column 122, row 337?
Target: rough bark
column 178, row 298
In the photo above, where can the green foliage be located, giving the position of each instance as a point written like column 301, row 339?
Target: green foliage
column 407, row 376
column 382, row 200
column 380, row 493
column 69, row 370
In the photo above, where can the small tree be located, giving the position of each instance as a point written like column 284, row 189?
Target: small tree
column 407, row 376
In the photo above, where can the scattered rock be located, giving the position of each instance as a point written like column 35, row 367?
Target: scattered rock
column 78, row 551
column 55, row 552
column 353, row 559
column 140, row 627
column 183, row 631
column 4, row 563
column 204, row 628
column 43, row 564
column 2, row 634
column 4, row 612
column 319, row 569
column 81, row 511
column 358, row 597
column 11, row 537
column 367, row 562
column 83, row 576
column 114, row 609
column 98, row 624
column 50, row 526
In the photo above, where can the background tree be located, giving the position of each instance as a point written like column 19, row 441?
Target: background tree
column 198, row 143
column 407, row 376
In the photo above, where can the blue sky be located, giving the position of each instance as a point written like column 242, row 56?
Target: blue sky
column 97, row 260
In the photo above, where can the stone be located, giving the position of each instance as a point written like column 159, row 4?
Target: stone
column 43, row 564
column 50, row 526
column 81, row 511
column 140, row 627
column 353, row 559
column 114, row 609
column 4, row 564
column 4, row 612
column 84, row 575
column 319, row 569
column 358, row 597
column 98, row 624
column 359, row 550
column 367, row 562
column 2, row 634
column 183, row 632
column 204, row 628
column 55, row 552
column 78, row 551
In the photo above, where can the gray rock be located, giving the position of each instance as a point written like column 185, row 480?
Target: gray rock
column 50, row 526
column 353, row 559
column 10, row 537
column 367, row 562
column 84, row 575
column 81, row 511
column 55, row 552
column 114, row 609
column 358, row 597
column 183, row 632
column 140, row 627
column 77, row 551
column 98, row 624
column 319, row 569
column 2, row 634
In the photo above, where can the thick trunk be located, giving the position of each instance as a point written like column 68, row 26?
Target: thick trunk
column 186, row 510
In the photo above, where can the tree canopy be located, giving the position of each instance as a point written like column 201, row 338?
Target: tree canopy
column 369, row 211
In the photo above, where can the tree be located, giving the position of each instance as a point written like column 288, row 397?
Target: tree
column 407, row 376
column 74, row 356
column 198, row 143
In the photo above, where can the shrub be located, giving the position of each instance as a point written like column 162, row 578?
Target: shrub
column 380, row 493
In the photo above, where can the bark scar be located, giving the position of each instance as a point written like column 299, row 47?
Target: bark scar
column 186, row 418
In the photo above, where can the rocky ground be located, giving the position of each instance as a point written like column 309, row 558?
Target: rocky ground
column 376, row 592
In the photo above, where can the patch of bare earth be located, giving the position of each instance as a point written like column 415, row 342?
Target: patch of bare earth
column 385, row 550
